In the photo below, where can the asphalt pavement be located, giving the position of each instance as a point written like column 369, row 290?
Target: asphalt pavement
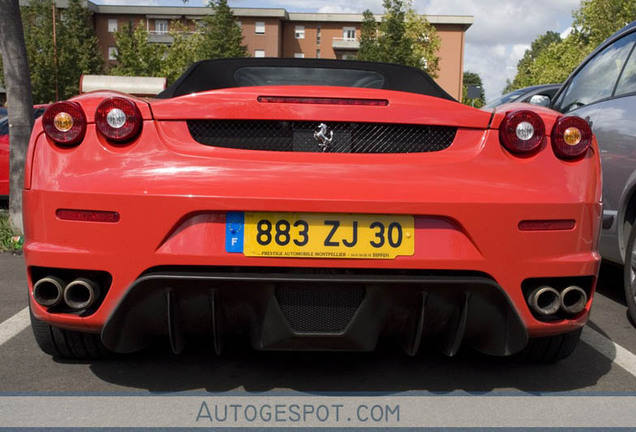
column 605, row 361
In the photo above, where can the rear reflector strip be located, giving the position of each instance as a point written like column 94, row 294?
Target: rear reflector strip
column 323, row 101
column 547, row 225
column 87, row 215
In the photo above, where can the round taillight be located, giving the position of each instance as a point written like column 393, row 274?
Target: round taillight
column 64, row 123
column 571, row 137
column 522, row 132
column 118, row 119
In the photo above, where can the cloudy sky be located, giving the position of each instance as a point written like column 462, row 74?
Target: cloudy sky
column 501, row 32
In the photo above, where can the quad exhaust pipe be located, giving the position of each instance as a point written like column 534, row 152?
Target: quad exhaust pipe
column 546, row 300
column 80, row 294
column 573, row 300
column 47, row 291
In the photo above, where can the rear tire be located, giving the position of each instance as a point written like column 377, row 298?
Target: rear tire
column 629, row 275
column 551, row 348
column 68, row 344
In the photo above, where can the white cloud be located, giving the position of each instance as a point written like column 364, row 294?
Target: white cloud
column 501, row 32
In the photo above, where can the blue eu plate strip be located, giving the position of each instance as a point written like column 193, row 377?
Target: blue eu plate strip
column 234, row 230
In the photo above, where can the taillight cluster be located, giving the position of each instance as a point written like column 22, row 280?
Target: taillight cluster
column 522, row 133
column 117, row 119
column 65, row 123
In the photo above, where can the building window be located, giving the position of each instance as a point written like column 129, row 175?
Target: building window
column 299, row 55
column 349, row 33
column 300, row 32
column 112, row 25
column 259, row 27
column 259, row 53
column 112, row 53
column 161, row 26
column 317, row 53
column 318, row 34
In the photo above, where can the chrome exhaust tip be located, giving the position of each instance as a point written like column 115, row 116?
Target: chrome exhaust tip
column 544, row 300
column 47, row 292
column 573, row 300
column 81, row 294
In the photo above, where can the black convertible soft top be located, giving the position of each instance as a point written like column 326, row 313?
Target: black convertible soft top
column 227, row 73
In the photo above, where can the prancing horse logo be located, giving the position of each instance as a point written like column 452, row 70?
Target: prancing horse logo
column 322, row 137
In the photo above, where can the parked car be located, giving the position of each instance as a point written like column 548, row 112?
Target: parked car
column 602, row 90
column 4, row 158
column 537, row 95
column 309, row 204
column 38, row 110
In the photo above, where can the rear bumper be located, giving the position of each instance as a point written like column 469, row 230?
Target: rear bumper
column 303, row 309
column 488, row 312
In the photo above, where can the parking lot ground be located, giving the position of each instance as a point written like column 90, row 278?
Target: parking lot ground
column 591, row 368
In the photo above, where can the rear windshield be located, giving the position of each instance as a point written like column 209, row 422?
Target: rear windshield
column 264, row 76
column 227, row 73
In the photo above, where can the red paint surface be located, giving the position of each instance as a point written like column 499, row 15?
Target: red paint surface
column 172, row 194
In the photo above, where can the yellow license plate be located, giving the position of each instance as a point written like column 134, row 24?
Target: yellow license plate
column 327, row 235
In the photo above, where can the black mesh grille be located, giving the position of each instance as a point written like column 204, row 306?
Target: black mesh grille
column 299, row 136
column 320, row 308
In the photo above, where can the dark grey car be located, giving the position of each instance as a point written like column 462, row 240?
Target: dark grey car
column 537, row 95
column 602, row 90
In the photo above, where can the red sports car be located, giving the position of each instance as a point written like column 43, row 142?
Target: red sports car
column 38, row 110
column 310, row 205
column 4, row 158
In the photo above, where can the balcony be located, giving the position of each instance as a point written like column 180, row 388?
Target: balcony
column 160, row 36
column 345, row 44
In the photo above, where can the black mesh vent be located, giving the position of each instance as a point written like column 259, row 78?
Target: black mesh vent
column 319, row 308
column 299, row 136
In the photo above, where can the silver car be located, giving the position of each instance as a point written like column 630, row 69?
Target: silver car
column 602, row 90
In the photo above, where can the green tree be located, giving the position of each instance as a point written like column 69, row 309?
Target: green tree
column 596, row 20
column 78, row 51
column 222, row 36
column 558, row 60
column 402, row 37
column 425, row 42
column 37, row 21
column 523, row 77
column 135, row 55
column 186, row 49
column 369, row 49
column 76, row 48
column 473, row 79
column 551, row 60
column 394, row 44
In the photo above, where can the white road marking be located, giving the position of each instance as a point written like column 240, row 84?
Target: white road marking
column 613, row 351
column 14, row 325
column 616, row 353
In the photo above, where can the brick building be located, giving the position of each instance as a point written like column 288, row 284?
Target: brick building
column 279, row 33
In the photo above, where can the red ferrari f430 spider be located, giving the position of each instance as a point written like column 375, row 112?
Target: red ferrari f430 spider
column 309, row 205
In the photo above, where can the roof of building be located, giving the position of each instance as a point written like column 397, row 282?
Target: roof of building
column 193, row 12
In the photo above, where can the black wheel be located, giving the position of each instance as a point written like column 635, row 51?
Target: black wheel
column 551, row 348
column 629, row 282
column 68, row 344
